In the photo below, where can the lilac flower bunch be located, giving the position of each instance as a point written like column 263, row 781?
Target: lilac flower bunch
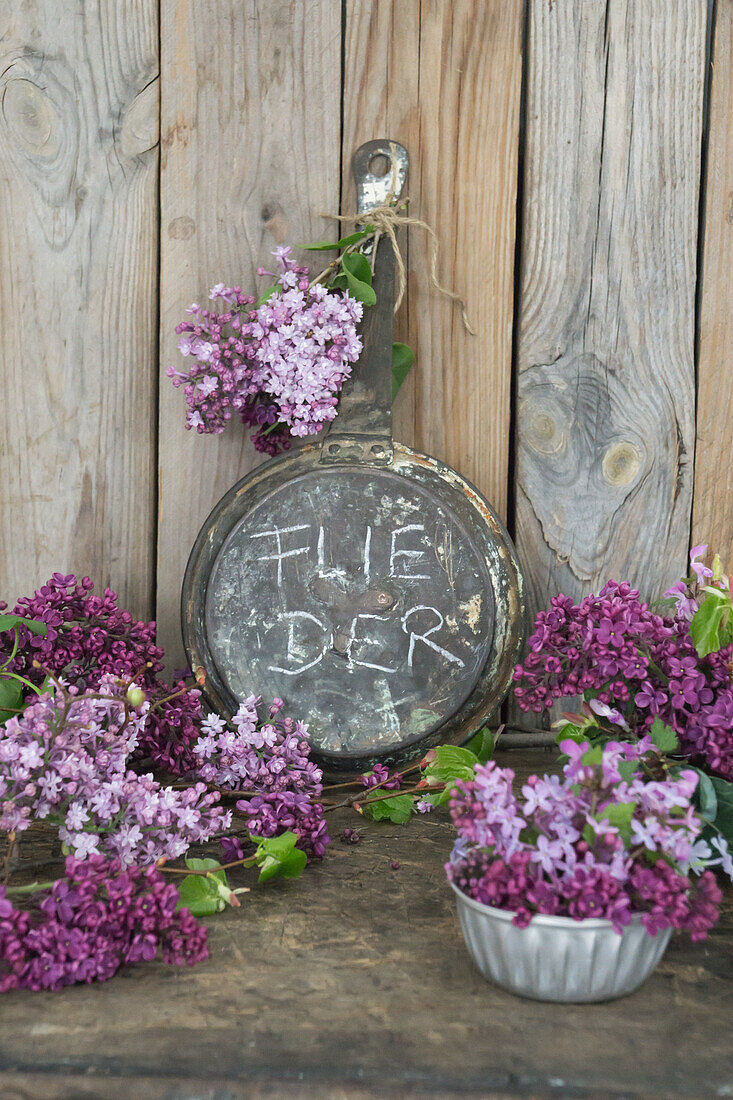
column 605, row 840
column 279, row 364
column 268, row 761
column 64, row 761
column 90, row 636
column 86, row 925
column 632, row 665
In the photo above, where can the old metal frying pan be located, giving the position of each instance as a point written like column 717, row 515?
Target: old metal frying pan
column 368, row 585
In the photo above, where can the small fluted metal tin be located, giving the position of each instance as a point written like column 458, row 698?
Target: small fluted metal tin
column 557, row 958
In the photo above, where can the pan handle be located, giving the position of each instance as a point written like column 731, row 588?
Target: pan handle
column 362, row 431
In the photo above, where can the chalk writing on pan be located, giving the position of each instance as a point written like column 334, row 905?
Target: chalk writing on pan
column 310, row 638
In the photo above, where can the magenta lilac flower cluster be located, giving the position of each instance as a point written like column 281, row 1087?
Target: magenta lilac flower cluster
column 605, row 840
column 64, row 760
column 379, row 777
column 270, row 761
column 90, row 636
column 633, row 665
column 280, row 365
column 89, row 923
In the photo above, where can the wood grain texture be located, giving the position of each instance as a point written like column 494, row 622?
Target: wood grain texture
column 320, row 988
column 606, row 322
column 712, row 517
column 250, row 150
column 78, row 263
column 445, row 80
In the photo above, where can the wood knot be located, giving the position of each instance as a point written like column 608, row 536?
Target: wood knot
column 621, row 463
column 139, row 124
column 31, row 118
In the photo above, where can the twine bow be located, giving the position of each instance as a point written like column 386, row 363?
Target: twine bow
column 387, row 219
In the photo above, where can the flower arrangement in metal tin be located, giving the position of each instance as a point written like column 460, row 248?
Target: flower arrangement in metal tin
column 613, row 837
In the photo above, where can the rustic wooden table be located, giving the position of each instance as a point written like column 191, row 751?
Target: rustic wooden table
column 354, row 982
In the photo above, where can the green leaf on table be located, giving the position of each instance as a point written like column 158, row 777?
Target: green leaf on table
column 204, row 894
column 7, row 622
column 397, row 809
column 664, row 736
column 339, row 282
column 278, row 857
column 619, row 815
column 707, row 622
column 402, row 359
column 11, row 697
column 345, row 242
column 200, row 896
column 482, row 745
column 358, row 272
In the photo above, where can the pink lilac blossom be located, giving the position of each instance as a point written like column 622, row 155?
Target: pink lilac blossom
column 270, row 759
column 90, row 636
column 637, row 665
column 279, row 365
column 602, row 841
column 64, row 760
column 94, row 920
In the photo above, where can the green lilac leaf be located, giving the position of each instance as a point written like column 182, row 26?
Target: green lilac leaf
column 571, row 733
column 402, row 359
column 278, row 857
column 707, row 799
column 356, row 264
column 339, row 282
column 359, row 277
column 397, row 809
column 7, row 622
column 213, row 867
column 627, row 769
column 11, row 697
column 593, row 756
column 619, row 815
column 482, row 745
column 200, row 895
column 706, row 625
column 265, row 297
column 724, row 814
column 664, row 736
column 345, row 242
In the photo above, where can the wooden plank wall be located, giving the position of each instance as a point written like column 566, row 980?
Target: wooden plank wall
column 713, row 498
column 606, row 372
column 103, row 243
column 78, row 293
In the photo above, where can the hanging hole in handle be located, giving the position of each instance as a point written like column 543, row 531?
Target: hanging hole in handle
column 334, row 448
column 377, row 449
column 379, row 165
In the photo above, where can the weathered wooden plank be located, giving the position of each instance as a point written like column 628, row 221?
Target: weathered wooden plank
column 444, row 79
column 355, row 981
column 606, row 321
column 712, row 516
column 250, row 150
column 78, row 264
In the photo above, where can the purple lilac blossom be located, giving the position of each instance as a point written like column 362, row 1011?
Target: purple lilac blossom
column 280, row 365
column 94, row 920
column 562, row 848
column 90, row 636
column 65, row 759
column 270, row 759
column 636, row 663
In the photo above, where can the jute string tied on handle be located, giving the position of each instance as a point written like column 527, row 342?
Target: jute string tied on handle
column 387, row 219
